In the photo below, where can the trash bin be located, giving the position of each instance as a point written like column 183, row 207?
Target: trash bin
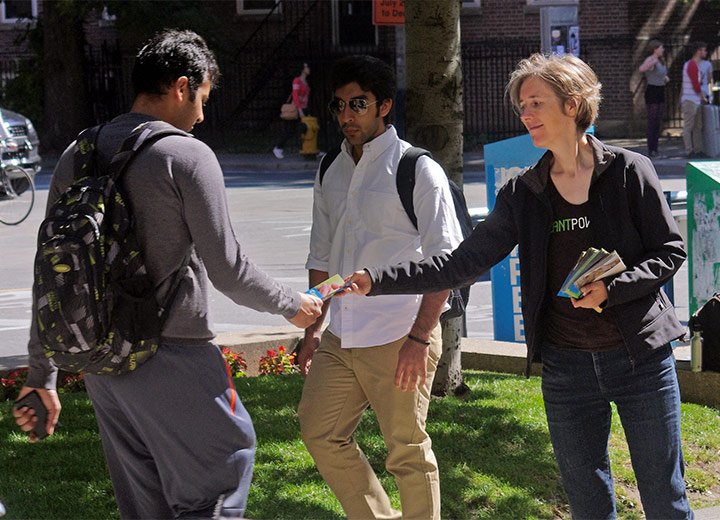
column 309, row 136
column 703, row 229
column 711, row 130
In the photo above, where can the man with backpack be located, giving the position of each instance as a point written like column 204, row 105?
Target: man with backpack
column 382, row 355
column 177, row 441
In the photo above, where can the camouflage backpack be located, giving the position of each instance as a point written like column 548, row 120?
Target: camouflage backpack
column 96, row 306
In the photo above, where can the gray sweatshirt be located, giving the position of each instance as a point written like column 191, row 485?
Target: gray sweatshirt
column 176, row 190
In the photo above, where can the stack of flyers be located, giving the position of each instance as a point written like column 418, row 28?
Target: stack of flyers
column 328, row 288
column 593, row 264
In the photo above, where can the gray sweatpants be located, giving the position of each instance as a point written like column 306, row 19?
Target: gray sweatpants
column 173, row 445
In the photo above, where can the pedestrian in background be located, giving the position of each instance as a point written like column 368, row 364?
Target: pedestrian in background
column 299, row 97
column 692, row 98
column 582, row 193
column 656, row 76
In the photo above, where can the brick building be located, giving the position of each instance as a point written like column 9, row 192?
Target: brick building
column 261, row 43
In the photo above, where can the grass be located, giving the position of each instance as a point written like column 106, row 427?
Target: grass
column 493, row 449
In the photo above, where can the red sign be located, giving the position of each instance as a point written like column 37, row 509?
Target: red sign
column 389, row 12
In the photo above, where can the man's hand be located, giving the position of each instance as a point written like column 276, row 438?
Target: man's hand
column 594, row 294
column 310, row 310
column 411, row 365
column 25, row 417
column 310, row 344
column 358, row 283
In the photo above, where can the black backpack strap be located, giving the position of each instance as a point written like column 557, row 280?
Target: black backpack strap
column 461, row 209
column 86, row 156
column 327, row 160
column 405, row 179
column 142, row 136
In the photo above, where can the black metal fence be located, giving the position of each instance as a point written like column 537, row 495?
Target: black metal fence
column 9, row 67
column 107, row 88
column 256, row 83
column 489, row 116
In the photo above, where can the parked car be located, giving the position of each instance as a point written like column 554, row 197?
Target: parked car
column 19, row 145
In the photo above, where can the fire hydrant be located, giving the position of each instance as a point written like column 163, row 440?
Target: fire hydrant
column 309, row 136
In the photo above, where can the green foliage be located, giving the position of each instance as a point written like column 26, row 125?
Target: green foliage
column 24, row 93
column 280, row 362
column 144, row 18
column 63, row 476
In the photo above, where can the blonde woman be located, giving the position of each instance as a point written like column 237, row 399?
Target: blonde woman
column 582, row 193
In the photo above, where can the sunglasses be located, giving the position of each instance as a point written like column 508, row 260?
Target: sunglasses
column 358, row 105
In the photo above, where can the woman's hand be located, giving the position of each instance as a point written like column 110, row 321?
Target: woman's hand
column 594, row 295
column 357, row 283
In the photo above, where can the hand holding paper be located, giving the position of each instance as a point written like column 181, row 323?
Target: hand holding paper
column 328, row 288
column 592, row 265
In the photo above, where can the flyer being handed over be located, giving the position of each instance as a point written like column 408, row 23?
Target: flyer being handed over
column 328, row 288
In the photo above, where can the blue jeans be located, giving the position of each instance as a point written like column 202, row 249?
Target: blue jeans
column 578, row 388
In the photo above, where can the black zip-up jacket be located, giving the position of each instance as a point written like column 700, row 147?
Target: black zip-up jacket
column 628, row 213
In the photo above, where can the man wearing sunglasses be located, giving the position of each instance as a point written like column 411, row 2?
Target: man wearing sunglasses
column 378, row 353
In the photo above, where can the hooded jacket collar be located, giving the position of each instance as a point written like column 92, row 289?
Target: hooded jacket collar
column 537, row 176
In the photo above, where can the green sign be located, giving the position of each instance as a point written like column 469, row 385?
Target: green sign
column 703, row 214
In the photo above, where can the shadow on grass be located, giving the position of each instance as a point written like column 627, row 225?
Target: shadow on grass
column 493, row 464
column 64, row 476
column 492, row 447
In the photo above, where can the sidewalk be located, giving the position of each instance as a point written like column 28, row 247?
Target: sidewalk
column 670, row 163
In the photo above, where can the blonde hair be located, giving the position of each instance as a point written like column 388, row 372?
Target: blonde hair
column 568, row 76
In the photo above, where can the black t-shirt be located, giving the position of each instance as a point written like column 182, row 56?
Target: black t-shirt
column 564, row 325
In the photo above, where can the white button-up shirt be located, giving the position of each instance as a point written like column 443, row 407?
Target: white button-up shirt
column 359, row 221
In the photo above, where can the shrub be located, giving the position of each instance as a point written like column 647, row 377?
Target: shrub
column 237, row 364
column 10, row 386
column 72, row 383
column 279, row 362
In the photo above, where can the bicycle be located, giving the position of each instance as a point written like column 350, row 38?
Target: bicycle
column 17, row 194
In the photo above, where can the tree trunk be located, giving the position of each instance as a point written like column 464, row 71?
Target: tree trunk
column 434, row 120
column 67, row 106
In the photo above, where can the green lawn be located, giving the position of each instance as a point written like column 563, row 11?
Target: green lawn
column 492, row 447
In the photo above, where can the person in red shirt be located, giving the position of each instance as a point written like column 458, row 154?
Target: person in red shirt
column 300, row 96
column 692, row 99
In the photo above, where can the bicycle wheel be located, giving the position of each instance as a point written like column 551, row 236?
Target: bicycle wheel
column 17, row 195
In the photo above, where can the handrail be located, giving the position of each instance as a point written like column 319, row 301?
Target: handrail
column 257, row 29
column 266, row 73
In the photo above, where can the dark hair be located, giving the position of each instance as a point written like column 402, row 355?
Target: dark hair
column 696, row 46
column 372, row 74
column 653, row 45
column 169, row 55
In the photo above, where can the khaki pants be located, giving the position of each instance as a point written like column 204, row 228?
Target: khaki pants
column 692, row 127
column 339, row 387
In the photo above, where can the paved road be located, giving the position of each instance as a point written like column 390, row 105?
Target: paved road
column 271, row 213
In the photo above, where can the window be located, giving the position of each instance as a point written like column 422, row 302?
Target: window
column 353, row 24
column 257, row 6
column 13, row 10
column 542, row 3
column 470, row 7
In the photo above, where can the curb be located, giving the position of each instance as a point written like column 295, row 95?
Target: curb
column 477, row 354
